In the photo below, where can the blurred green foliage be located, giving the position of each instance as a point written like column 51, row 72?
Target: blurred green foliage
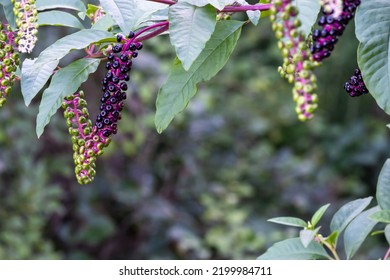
column 205, row 187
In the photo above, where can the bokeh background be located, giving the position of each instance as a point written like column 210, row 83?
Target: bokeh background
column 205, row 188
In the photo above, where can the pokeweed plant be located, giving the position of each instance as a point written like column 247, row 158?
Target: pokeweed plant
column 204, row 34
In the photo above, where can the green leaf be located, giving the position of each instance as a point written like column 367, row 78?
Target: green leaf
column 307, row 236
column 358, row 230
column 104, row 23
column 181, row 85
column 318, row 214
column 308, row 12
column 59, row 18
column 387, row 233
column 190, row 28
column 56, row 4
column 372, row 31
column 128, row 14
column 254, row 16
column 8, row 8
column 35, row 73
column 65, row 81
column 347, row 213
column 289, row 221
column 292, row 249
column 383, row 187
column 333, row 237
column 382, row 216
column 219, row 4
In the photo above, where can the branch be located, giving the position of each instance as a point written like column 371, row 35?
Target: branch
column 387, row 255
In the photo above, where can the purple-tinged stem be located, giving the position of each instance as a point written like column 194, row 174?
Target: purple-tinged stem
column 161, row 27
column 387, row 254
column 168, row 2
column 244, row 8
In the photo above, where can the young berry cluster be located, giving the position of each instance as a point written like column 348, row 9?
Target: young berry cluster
column 297, row 64
column 331, row 28
column 355, row 86
column 26, row 19
column 114, row 83
column 87, row 144
column 9, row 60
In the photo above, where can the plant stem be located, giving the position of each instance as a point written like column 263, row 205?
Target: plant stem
column 168, row 2
column 228, row 9
column 161, row 27
column 387, row 254
column 331, row 248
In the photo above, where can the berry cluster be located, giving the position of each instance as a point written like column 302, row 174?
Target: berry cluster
column 87, row 144
column 335, row 7
column 355, row 86
column 26, row 19
column 331, row 28
column 114, row 83
column 297, row 66
column 9, row 60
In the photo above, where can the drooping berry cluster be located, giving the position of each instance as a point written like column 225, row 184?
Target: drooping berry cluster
column 331, row 28
column 114, row 83
column 26, row 19
column 9, row 60
column 87, row 144
column 355, row 86
column 297, row 64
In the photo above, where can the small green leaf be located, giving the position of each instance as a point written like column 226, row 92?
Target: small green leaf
column 254, row 16
column 307, row 236
column 58, row 18
column 308, row 11
column 372, row 30
column 35, row 73
column 65, row 81
column 128, row 14
column 382, row 216
column 383, row 187
column 289, row 221
column 292, row 249
column 332, row 238
column 318, row 215
column 57, row 4
column 181, row 85
column 387, row 233
column 347, row 213
column 8, row 8
column 190, row 28
column 358, row 230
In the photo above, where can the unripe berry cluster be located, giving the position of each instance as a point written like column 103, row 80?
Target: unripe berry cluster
column 87, row 144
column 355, row 86
column 297, row 64
column 331, row 28
column 9, row 60
column 114, row 83
column 26, row 19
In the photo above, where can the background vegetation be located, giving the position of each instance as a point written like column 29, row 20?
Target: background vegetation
column 205, row 187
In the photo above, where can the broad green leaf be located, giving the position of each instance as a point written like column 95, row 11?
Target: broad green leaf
column 308, row 12
column 383, row 187
column 382, row 216
column 372, row 31
column 37, row 72
column 181, row 85
column 56, row 4
column 358, row 230
column 387, row 233
column 318, row 214
column 292, row 249
column 8, row 8
column 59, row 18
column 347, row 213
column 219, row 4
column 190, row 28
column 65, row 81
column 104, row 23
column 128, row 14
column 307, row 236
column 289, row 221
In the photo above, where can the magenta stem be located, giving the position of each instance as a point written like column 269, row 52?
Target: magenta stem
column 387, row 254
column 244, row 8
column 157, row 25
column 168, row 2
